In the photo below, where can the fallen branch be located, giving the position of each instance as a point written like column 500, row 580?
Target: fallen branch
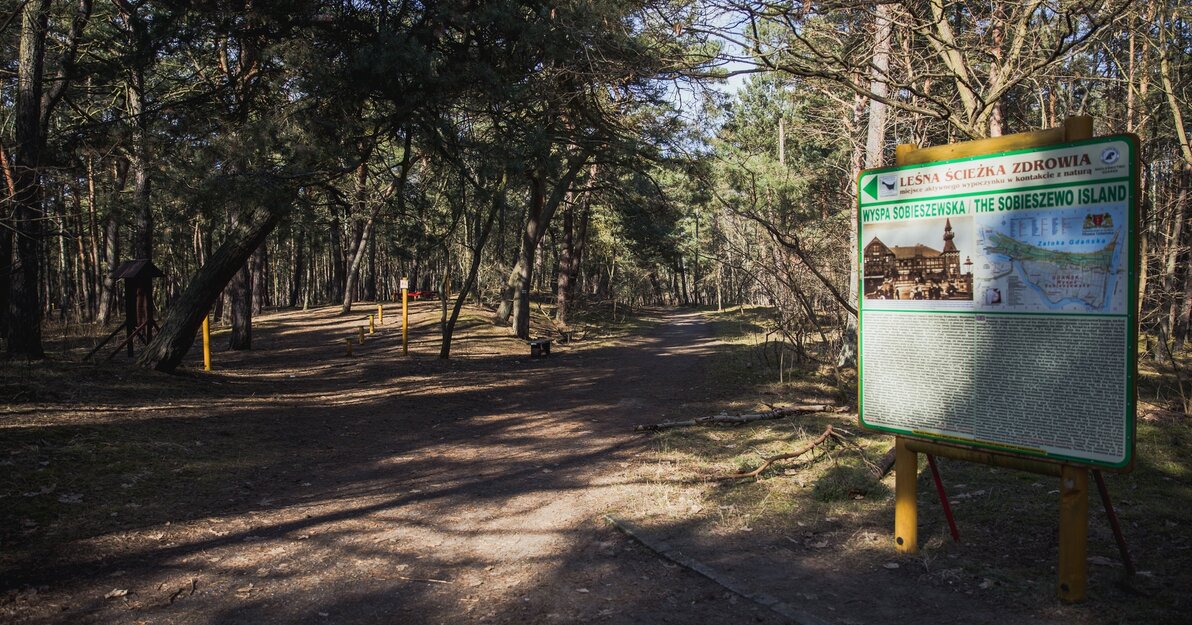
column 424, row 579
column 724, row 419
column 819, row 440
column 877, row 470
column 1159, row 414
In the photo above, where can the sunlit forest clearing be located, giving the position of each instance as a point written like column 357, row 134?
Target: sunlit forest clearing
column 627, row 237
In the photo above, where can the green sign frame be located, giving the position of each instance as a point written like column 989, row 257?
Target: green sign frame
column 1058, row 256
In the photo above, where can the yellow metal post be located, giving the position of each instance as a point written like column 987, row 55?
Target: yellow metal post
column 906, row 498
column 380, row 314
column 207, row 343
column 1074, row 533
column 405, row 318
column 372, row 328
column 348, row 342
column 1074, row 481
column 906, row 462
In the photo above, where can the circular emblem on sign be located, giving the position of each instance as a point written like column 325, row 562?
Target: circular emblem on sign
column 1110, row 155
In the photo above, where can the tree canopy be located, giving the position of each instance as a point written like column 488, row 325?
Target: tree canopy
column 570, row 153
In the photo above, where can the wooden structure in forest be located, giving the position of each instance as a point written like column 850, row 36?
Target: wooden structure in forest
column 139, row 322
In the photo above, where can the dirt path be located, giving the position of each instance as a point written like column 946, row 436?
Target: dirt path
column 321, row 489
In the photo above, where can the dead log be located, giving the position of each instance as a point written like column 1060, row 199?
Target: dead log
column 886, row 464
column 819, row 440
column 725, row 419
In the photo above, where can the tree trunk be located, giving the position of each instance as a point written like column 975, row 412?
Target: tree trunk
column 240, row 307
column 580, row 238
column 259, row 263
column 695, row 277
column 169, row 347
column 139, row 168
column 535, row 227
column 875, row 141
column 370, row 282
column 656, row 287
column 518, row 285
column 360, row 236
column 298, row 265
column 338, row 276
column 365, row 242
column 24, row 298
column 111, row 257
column 563, row 286
column 686, row 300
column 83, row 260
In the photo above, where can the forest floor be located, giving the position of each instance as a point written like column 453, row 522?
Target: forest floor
column 296, row 484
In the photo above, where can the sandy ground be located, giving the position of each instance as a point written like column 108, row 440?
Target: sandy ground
column 300, row 485
column 379, row 488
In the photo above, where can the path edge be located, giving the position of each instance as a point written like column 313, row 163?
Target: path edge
column 662, row 548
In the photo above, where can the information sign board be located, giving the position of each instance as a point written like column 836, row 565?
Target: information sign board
column 998, row 300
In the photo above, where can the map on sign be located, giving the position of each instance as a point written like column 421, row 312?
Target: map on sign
column 997, row 300
column 1058, row 260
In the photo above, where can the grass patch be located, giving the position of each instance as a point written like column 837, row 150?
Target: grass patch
column 848, row 480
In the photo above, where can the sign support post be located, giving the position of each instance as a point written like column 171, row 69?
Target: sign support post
column 1074, row 532
column 906, row 497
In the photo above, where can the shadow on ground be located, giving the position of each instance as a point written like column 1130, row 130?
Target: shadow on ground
column 298, row 485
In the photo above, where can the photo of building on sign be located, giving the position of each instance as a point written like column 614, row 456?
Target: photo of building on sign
column 919, row 260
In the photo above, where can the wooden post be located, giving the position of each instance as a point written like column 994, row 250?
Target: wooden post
column 348, row 342
column 1078, row 128
column 906, row 498
column 902, row 150
column 207, row 343
column 362, row 335
column 372, row 328
column 1074, row 481
column 1074, row 533
column 405, row 317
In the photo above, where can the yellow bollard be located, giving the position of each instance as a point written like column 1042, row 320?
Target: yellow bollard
column 362, row 335
column 405, row 317
column 348, row 342
column 372, row 329
column 380, row 314
column 207, row 343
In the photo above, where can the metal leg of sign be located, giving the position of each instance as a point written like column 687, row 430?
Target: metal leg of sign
column 1074, row 533
column 943, row 494
column 906, row 496
column 1123, row 548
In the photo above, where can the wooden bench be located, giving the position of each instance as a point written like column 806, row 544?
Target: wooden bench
column 539, row 348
